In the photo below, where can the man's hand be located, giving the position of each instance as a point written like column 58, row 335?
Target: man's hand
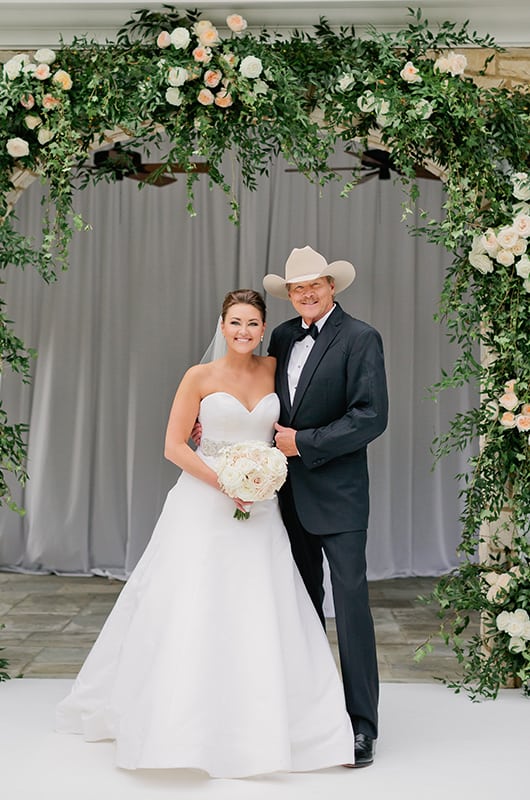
column 285, row 440
column 196, row 433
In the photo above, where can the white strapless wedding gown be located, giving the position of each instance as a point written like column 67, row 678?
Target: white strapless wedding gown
column 213, row 656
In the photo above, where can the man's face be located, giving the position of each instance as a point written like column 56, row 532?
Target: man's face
column 312, row 299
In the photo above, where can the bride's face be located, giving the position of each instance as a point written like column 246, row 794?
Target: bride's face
column 242, row 328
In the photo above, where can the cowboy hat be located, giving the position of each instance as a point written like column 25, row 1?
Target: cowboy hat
column 305, row 264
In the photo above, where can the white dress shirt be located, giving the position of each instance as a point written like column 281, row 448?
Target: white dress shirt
column 300, row 354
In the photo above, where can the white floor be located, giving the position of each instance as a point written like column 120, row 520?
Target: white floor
column 433, row 744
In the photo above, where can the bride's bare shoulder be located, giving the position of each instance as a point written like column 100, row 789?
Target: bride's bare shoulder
column 268, row 362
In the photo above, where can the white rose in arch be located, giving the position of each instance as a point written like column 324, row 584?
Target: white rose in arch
column 526, row 630
column 457, row 63
column 523, row 267
column 173, row 96
column 383, row 118
column 521, row 224
column 509, row 386
column 515, row 626
column 201, row 26
column 503, row 619
column 517, row 645
column 505, row 257
column 481, row 261
column 346, row 82
column 490, row 243
column 478, row 245
column 367, row 102
column 180, row 38
column 521, row 186
column 17, row 147
column 521, row 615
column 507, row 237
column 32, row 121
column 410, row 73
column 177, row 76
column 44, row 56
column 13, row 68
column 442, row 64
column 45, row 135
column 423, row 109
column 520, row 247
column 251, row 67
column 492, row 409
column 509, row 401
column 526, row 285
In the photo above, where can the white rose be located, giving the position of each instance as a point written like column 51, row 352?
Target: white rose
column 526, row 285
column 490, row 243
column 251, row 67
column 383, row 118
column 492, row 409
column 503, row 619
column 367, row 102
column 410, row 73
column 202, row 26
column 423, row 109
column 30, row 68
column 478, row 244
column 177, row 76
column 521, row 224
column 13, row 68
column 17, row 147
column 521, row 615
column 517, row 645
column 32, row 121
column 442, row 64
column 523, row 267
column 44, row 56
column 507, row 237
column 505, row 257
column 45, row 135
column 481, row 261
column 515, row 626
column 346, row 82
column 180, row 38
column 173, row 96
column 526, row 631
column 457, row 63
column 520, row 247
column 521, row 186
column 260, row 87
column 509, row 386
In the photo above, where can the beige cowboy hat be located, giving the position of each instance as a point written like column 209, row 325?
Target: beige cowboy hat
column 305, row 264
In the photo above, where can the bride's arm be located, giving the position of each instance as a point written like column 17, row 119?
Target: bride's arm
column 182, row 417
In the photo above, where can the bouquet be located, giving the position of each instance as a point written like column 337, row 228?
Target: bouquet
column 252, row 471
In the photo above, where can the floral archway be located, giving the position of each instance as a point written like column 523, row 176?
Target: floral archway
column 257, row 96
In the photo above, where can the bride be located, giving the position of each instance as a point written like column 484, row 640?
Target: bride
column 213, row 657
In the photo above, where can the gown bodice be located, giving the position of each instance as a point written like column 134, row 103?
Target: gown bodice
column 225, row 420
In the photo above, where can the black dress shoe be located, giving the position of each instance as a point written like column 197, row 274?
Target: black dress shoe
column 364, row 750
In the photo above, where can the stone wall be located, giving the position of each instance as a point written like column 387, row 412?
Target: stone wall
column 510, row 69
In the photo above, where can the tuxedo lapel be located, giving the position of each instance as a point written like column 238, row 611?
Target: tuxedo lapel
column 282, row 380
column 322, row 343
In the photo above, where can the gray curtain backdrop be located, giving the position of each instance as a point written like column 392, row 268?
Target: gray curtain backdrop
column 139, row 304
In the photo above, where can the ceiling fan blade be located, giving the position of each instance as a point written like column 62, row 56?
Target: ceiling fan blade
column 146, row 176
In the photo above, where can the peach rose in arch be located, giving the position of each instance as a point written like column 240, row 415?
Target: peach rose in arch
column 205, row 97
column 236, row 23
column 209, row 37
column 212, row 78
column 508, row 420
column 223, row 99
column 63, row 79
column 42, row 72
column 49, row 102
column 509, row 401
column 27, row 101
column 522, row 423
column 202, row 54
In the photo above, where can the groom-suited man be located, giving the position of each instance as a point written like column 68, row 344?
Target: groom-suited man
column 330, row 378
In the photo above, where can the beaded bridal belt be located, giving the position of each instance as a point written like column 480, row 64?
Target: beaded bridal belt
column 212, row 447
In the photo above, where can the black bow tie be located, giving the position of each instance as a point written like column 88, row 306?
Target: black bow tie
column 301, row 332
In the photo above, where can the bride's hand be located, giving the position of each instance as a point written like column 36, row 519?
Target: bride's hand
column 242, row 505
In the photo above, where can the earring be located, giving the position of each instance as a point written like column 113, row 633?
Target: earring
column 261, row 339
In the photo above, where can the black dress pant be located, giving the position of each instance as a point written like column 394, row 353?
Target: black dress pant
column 346, row 555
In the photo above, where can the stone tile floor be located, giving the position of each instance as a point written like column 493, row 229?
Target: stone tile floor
column 52, row 621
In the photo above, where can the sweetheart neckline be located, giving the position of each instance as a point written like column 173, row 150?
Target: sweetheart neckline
column 248, row 410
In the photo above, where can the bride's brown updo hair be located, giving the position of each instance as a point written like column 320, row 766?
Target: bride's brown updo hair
column 246, row 296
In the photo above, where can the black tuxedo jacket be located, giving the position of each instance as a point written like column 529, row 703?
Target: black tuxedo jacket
column 340, row 406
